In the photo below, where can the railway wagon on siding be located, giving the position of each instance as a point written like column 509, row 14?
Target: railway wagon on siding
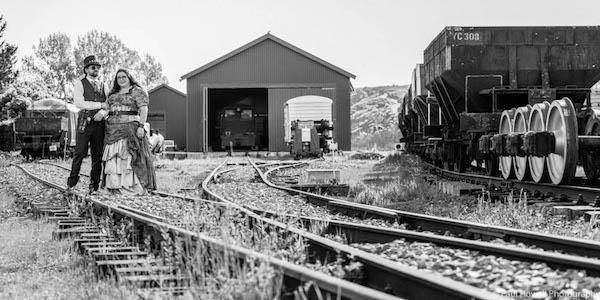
column 46, row 129
column 512, row 99
column 309, row 126
column 7, row 135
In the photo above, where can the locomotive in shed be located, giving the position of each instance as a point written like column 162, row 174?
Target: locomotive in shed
column 240, row 127
column 513, row 100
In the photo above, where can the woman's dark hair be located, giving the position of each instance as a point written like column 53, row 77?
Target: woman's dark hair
column 116, row 87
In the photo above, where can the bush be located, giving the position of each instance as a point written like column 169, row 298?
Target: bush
column 382, row 139
column 366, row 156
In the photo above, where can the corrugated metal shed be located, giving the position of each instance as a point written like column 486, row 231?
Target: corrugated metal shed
column 167, row 112
column 285, row 70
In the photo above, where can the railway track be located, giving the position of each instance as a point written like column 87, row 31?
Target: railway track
column 580, row 193
column 379, row 273
column 465, row 229
column 150, row 226
column 374, row 238
column 369, row 238
column 376, row 273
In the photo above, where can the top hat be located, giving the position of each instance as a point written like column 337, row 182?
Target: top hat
column 90, row 60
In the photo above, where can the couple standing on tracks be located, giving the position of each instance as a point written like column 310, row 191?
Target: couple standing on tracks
column 112, row 122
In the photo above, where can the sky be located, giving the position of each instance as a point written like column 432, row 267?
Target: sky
column 379, row 41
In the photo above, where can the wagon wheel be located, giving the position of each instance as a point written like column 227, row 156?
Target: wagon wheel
column 537, row 123
column 460, row 164
column 448, row 157
column 521, row 125
column 562, row 121
column 491, row 165
column 506, row 126
column 590, row 160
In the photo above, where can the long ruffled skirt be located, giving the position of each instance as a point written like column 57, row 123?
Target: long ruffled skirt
column 119, row 175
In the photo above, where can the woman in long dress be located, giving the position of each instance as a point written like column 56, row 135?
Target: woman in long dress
column 127, row 158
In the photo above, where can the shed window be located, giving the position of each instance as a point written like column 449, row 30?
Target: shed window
column 228, row 113
column 246, row 114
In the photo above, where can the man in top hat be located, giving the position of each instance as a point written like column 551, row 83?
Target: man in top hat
column 89, row 96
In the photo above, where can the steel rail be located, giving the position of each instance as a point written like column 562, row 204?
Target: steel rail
column 363, row 233
column 380, row 274
column 471, row 230
column 573, row 192
column 294, row 275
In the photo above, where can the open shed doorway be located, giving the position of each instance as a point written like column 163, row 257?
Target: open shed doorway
column 238, row 117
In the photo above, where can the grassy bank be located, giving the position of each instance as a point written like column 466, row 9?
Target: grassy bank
column 34, row 266
column 409, row 191
column 404, row 187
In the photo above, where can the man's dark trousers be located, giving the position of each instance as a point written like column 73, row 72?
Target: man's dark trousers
column 94, row 135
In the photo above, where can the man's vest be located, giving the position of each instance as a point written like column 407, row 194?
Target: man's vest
column 91, row 94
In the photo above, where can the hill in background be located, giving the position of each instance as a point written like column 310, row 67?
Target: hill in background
column 374, row 113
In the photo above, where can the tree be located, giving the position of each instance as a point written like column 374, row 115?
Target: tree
column 108, row 49
column 53, row 60
column 7, row 59
column 32, row 86
column 55, row 64
column 114, row 54
column 151, row 72
column 13, row 103
column 8, row 107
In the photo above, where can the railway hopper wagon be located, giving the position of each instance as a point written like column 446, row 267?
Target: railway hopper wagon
column 46, row 129
column 515, row 100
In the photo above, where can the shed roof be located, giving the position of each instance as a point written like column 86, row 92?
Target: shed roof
column 275, row 39
column 164, row 85
column 51, row 104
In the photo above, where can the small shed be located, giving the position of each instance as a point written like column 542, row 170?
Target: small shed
column 167, row 113
column 267, row 72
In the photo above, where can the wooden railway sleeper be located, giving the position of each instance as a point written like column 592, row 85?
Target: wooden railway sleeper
column 484, row 235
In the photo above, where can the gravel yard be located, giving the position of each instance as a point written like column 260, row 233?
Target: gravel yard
column 243, row 188
column 171, row 175
column 507, row 277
